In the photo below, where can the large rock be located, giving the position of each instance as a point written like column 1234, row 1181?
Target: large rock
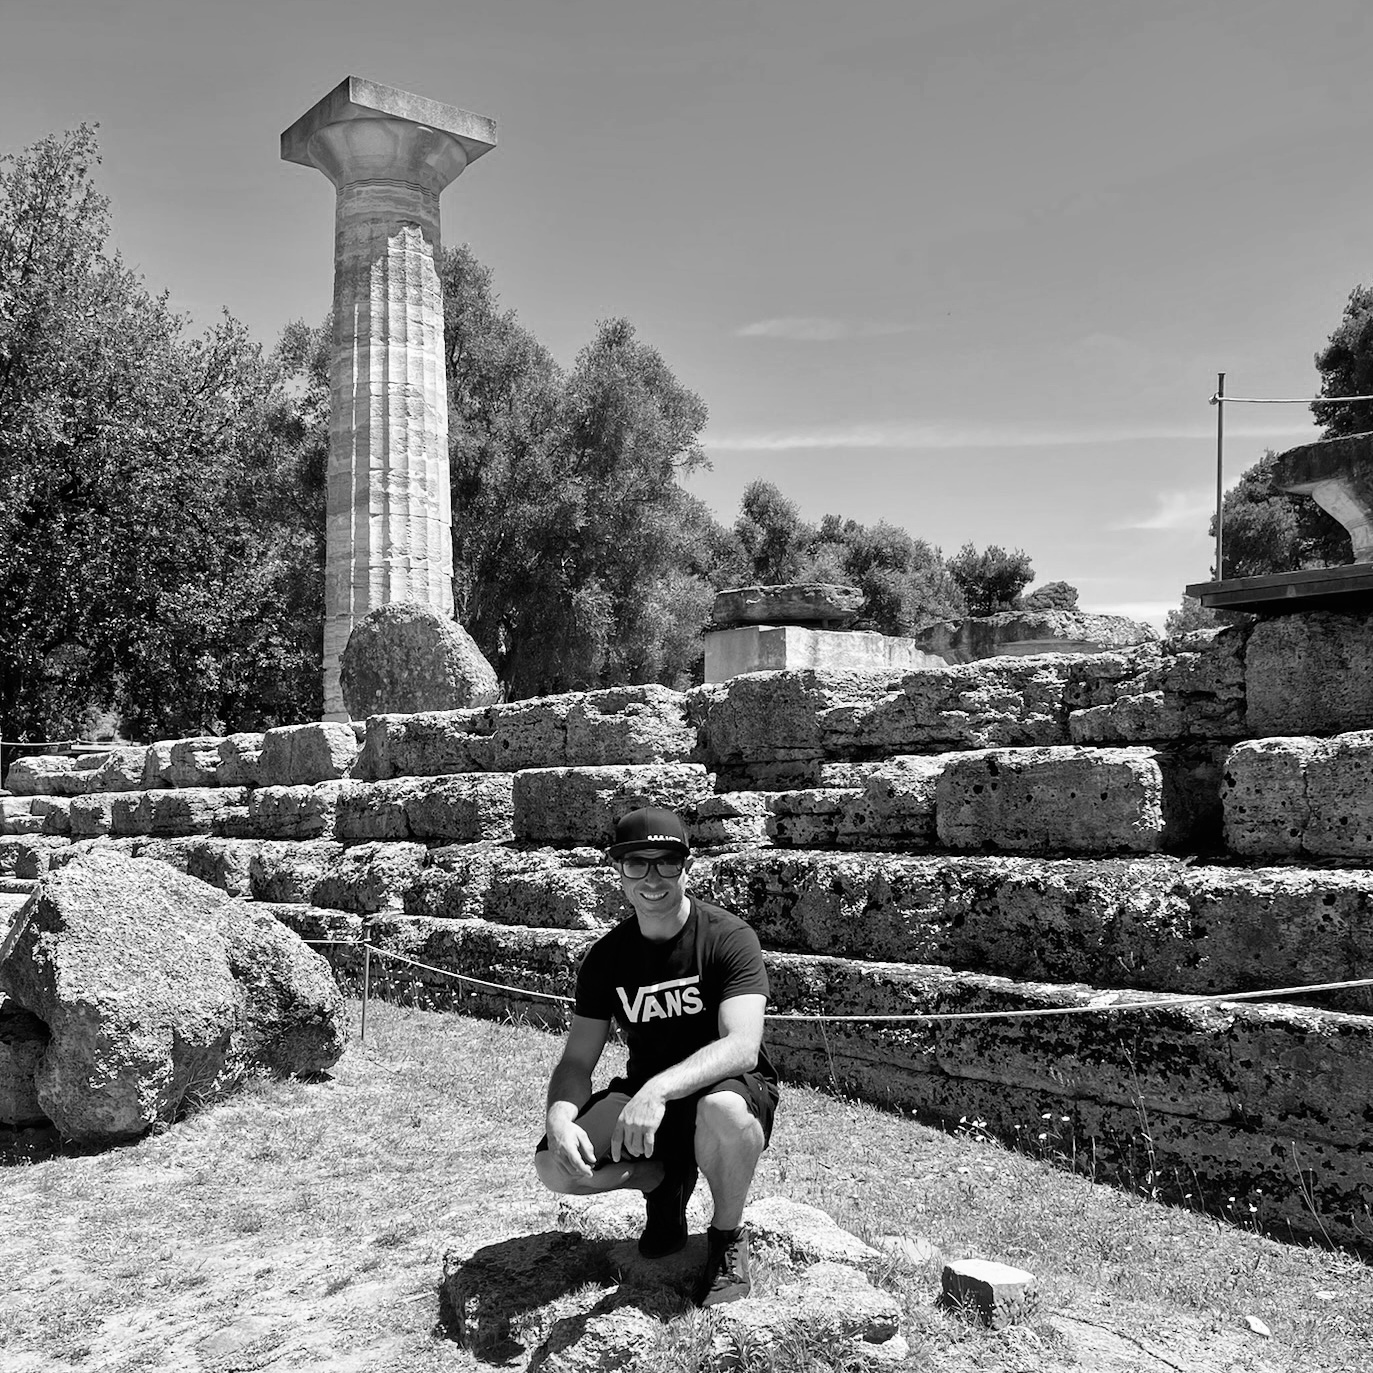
column 37, row 774
column 464, row 809
column 406, row 657
column 892, row 807
column 803, row 603
column 156, row 988
column 1020, row 633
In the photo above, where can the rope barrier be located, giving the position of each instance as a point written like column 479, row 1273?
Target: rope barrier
column 39, row 743
column 1218, row 399
column 1163, row 1002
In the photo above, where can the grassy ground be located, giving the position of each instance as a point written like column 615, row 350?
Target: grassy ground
column 303, row 1226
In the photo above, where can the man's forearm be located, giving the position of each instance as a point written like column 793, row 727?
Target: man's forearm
column 568, row 1091
column 721, row 1058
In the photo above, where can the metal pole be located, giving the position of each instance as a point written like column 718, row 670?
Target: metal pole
column 1220, row 469
column 366, row 986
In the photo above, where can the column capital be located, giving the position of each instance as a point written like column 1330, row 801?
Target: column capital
column 364, row 131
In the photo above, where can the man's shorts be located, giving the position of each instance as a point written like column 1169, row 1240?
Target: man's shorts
column 675, row 1139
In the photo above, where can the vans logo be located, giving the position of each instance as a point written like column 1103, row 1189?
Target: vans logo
column 663, row 1000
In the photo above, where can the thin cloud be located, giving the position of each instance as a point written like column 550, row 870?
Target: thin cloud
column 820, row 328
column 1174, row 510
column 936, row 437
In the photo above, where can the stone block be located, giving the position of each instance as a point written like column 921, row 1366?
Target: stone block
column 434, row 743
column 1026, row 632
column 1263, row 796
column 17, row 817
column 579, row 806
column 88, row 817
column 802, row 603
column 369, row 877
column 622, row 725
column 293, row 755
column 54, row 812
column 772, row 719
column 167, row 814
column 195, row 762
column 998, row 702
column 730, row 820
column 1339, row 795
column 121, row 769
column 1052, row 800
column 301, row 812
column 462, row 808
column 28, row 856
column 239, row 755
column 892, row 806
column 748, row 649
column 800, row 1234
column 223, row 863
column 996, row 1294
column 35, row 774
column 291, row 872
column 1309, row 673
column 157, row 766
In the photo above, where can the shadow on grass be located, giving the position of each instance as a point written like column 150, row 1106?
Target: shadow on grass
column 37, row 1144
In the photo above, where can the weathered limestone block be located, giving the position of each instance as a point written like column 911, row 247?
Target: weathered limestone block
column 1263, row 796
column 404, row 657
column 121, row 769
column 1309, row 673
column 621, row 725
column 556, row 898
column 34, row 775
column 1022, row 633
column 369, row 877
column 35, row 815
column 198, row 810
column 729, row 820
column 305, row 754
column 579, row 806
column 463, row 808
column 27, row 856
column 995, row 1293
column 23, row 1039
column 998, row 702
column 1192, row 687
column 430, row 744
column 1052, row 800
column 799, row 1234
column 892, row 807
column 765, row 728
column 91, row 816
column 301, row 812
column 195, row 762
column 223, row 863
column 1301, row 796
column 291, row 873
column 157, row 766
column 803, row 603
column 131, row 967
column 238, row 760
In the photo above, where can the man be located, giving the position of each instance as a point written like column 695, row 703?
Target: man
column 686, row 984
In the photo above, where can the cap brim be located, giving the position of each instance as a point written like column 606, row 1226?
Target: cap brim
column 635, row 845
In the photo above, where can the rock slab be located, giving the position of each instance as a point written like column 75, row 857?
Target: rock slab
column 155, row 988
column 997, row 1294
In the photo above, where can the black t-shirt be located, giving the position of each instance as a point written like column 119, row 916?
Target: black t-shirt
column 666, row 995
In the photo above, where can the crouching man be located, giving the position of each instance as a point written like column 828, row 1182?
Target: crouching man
column 686, row 984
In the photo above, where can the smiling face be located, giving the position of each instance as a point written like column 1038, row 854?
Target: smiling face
column 659, row 902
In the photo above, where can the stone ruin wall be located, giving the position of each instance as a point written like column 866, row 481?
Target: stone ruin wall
column 1190, row 817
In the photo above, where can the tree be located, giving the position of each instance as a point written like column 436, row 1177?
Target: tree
column 152, row 552
column 579, row 560
column 1190, row 615
column 991, row 580
column 1052, row 596
column 1346, row 368
column 776, row 541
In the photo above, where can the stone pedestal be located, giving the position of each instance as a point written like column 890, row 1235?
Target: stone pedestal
column 769, row 648
column 388, row 535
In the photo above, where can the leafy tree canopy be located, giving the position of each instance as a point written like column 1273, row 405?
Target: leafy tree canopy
column 993, row 579
column 1052, row 596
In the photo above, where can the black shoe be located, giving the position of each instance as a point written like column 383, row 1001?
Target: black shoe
column 665, row 1229
column 725, row 1276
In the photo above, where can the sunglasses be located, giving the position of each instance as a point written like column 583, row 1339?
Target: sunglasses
column 635, row 868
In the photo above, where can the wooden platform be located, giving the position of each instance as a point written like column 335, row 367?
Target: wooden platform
column 1321, row 588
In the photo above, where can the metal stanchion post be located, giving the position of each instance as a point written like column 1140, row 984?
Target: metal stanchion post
column 366, row 981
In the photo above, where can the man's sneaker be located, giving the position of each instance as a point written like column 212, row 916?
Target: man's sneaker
column 665, row 1229
column 725, row 1276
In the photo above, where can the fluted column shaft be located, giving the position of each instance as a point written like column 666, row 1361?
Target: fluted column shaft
column 388, row 513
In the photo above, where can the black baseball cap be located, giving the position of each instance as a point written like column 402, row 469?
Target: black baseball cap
column 651, row 827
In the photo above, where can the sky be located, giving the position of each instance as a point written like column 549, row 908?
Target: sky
column 967, row 266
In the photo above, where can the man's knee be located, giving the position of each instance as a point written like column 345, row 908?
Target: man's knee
column 554, row 1178
column 724, row 1120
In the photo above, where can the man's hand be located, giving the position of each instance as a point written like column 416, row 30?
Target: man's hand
column 571, row 1149
column 637, row 1127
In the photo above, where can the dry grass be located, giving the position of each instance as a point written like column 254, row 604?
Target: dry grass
column 303, row 1225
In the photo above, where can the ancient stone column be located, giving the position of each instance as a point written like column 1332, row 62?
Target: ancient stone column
column 388, row 534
